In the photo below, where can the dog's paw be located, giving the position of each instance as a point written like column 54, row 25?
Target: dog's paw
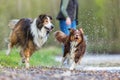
column 72, row 68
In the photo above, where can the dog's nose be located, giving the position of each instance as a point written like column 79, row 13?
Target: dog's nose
column 77, row 35
column 52, row 26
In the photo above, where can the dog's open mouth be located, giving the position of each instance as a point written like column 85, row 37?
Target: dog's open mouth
column 49, row 29
column 76, row 38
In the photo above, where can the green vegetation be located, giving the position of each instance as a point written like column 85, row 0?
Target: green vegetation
column 43, row 57
column 100, row 20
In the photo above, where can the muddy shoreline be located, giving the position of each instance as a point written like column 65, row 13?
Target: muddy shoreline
column 52, row 73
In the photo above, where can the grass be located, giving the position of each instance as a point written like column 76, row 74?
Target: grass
column 43, row 57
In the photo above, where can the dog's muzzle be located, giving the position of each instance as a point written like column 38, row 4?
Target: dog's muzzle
column 49, row 29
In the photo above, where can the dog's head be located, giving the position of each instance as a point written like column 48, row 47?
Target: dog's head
column 44, row 21
column 76, row 35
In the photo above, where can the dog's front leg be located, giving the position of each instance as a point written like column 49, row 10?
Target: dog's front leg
column 73, row 66
column 68, row 59
column 22, row 56
column 63, row 60
column 27, row 58
column 9, row 49
column 27, row 65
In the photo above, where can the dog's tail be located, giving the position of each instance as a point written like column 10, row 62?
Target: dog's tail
column 12, row 23
column 60, row 36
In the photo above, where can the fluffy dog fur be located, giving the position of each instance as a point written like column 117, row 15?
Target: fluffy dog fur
column 30, row 35
column 74, row 46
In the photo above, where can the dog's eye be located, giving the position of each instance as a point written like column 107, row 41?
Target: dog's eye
column 46, row 21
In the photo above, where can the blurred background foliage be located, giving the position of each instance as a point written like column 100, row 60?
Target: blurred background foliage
column 100, row 20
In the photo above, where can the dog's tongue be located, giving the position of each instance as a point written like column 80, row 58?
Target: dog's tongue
column 51, row 29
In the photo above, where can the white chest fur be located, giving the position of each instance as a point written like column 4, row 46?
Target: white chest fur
column 72, row 54
column 73, row 48
column 40, row 36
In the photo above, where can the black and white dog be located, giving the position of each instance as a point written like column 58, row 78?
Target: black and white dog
column 30, row 35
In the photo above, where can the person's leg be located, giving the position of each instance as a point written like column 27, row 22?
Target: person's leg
column 64, row 27
column 73, row 24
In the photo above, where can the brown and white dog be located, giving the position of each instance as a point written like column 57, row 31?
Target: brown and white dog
column 30, row 35
column 74, row 46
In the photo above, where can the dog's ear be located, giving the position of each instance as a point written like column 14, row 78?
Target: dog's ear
column 40, row 20
column 71, row 30
column 50, row 17
column 81, row 30
column 42, row 16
